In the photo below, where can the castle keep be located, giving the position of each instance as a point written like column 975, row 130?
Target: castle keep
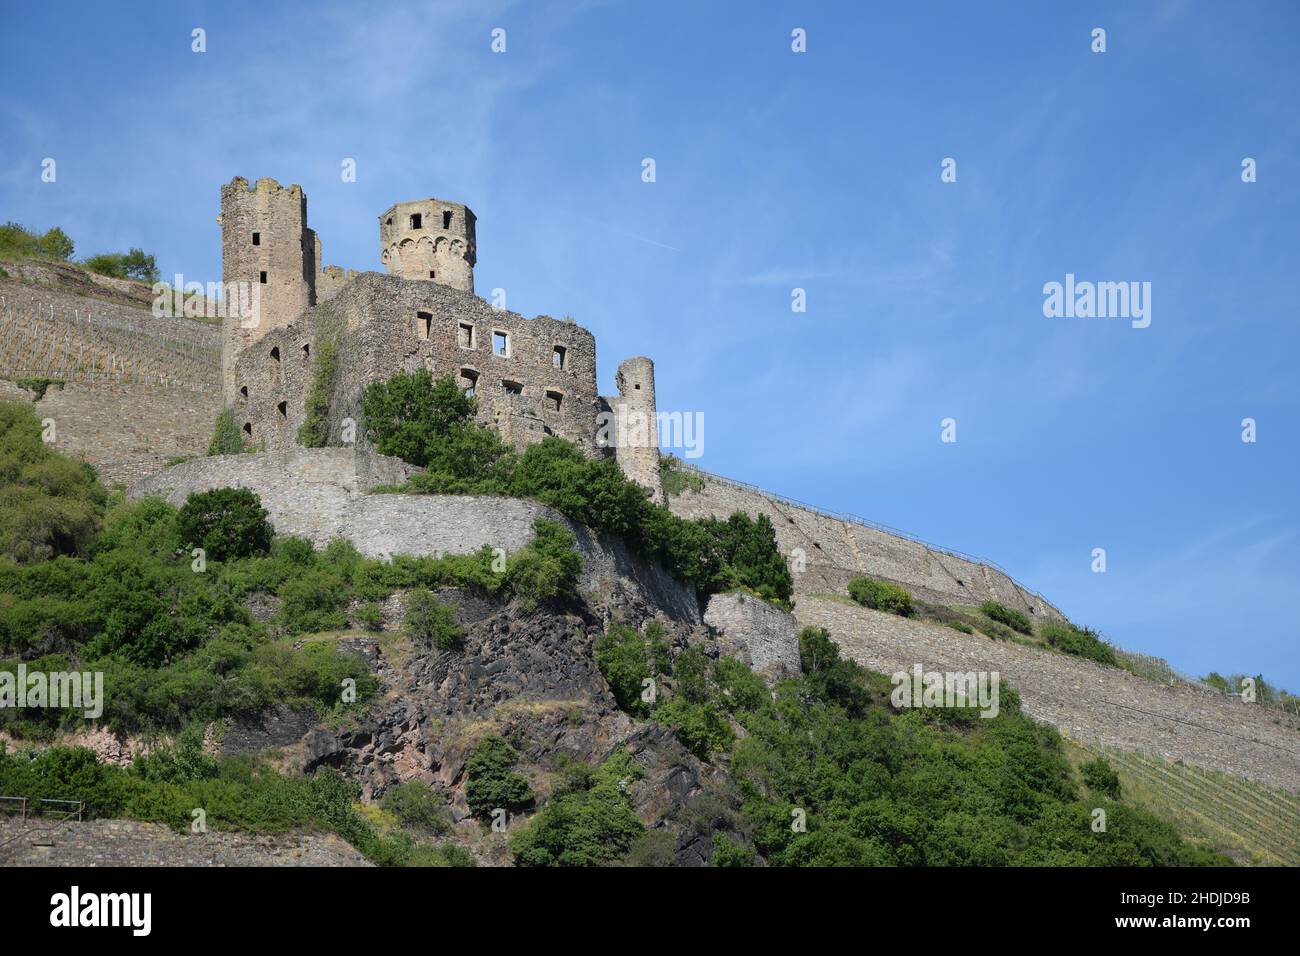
column 532, row 377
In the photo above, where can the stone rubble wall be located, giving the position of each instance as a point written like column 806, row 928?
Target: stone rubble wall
column 131, row 843
column 836, row 550
column 322, row 494
column 1099, row 705
column 754, row 631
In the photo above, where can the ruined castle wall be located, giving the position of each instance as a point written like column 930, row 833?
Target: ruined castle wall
column 132, row 843
column 389, row 325
column 431, row 240
column 755, row 632
column 265, row 242
column 836, row 550
column 1099, row 705
column 331, row 280
column 321, row 494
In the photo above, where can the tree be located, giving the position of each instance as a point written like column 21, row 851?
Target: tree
column 226, row 523
column 56, row 245
column 431, row 622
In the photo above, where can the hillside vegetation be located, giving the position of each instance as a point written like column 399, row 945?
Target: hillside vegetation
column 819, row 770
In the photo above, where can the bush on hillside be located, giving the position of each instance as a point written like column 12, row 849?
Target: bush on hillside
column 493, row 783
column 1100, row 776
column 881, row 596
column 226, row 523
column 49, row 504
column 1081, row 642
column 431, row 622
column 1005, row 615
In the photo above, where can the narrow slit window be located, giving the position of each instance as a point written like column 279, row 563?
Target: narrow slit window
column 283, row 409
column 501, row 344
column 257, row 238
column 446, row 219
column 423, row 324
column 275, row 354
column 243, row 392
column 306, row 351
column 431, row 275
column 557, row 357
column 263, row 277
column 248, row 429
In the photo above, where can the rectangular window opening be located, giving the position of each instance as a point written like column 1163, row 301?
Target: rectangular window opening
column 423, row 324
column 446, row 219
column 257, row 238
column 263, row 275
column 557, row 357
column 465, row 335
column 553, row 400
column 501, row 344
column 417, row 220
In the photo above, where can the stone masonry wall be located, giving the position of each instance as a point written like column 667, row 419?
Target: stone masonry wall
column 130, row 843
column 321, row 494
column 1095, row 704
column 763, row 636
column 388, row 324
column 836, row 550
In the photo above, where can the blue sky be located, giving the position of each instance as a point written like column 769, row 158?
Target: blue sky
column 778, row 170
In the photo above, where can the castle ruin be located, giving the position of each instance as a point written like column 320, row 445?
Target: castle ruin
column 532, row 377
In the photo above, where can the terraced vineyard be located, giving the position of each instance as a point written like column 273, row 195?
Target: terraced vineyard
column 1253, row 823
column 46, row 334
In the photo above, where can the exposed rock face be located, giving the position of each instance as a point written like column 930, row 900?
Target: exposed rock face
column 754, row 631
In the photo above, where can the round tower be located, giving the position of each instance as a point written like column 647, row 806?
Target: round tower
column 429, row 239
column 636, row 447
column 268, row 262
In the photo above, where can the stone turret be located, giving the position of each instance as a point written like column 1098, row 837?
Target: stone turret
column 429, row 239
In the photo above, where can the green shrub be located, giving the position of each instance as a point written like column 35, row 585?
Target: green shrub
column 622, row 656
column 371, row 617
column 39, row 385
column 583, row 827
column 493, row 783
column 227, row 439
column 1005, row 615
column 881, row 596
column 431, row 622
column 547, row 568
column 50, row 504
column 1099, row 775
column 313, row 601
column 225, row 522
column 441, row 854
column 1081, row 642
column 133, row 264
column 417, row 805
column 674, row 479
column 18, row 242
column 314, row 432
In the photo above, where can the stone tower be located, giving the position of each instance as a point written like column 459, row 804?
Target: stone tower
column 267, row 248
column 636, row 431
column 429, row 239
